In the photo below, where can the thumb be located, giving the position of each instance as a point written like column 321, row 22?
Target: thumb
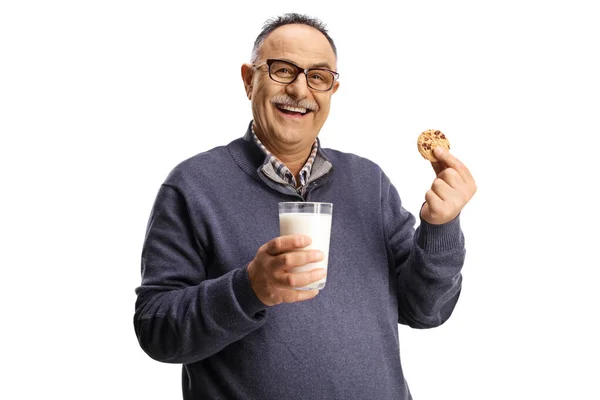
column 438, row 166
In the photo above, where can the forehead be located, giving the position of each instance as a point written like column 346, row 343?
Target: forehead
column 301, row 44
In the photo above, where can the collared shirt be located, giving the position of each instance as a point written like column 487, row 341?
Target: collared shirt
column 283, row 171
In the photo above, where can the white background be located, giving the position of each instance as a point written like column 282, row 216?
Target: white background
column 100, row 99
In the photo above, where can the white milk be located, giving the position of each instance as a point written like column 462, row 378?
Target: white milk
column 318, row 227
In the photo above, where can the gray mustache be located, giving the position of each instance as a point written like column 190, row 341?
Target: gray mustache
column 288, row 101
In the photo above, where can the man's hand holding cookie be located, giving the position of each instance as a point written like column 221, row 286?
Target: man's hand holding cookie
column 452, row 188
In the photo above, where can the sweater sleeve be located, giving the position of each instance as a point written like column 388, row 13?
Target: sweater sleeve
column 182, row 316
column 427, row 261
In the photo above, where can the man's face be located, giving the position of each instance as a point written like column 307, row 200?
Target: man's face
column 277, row 126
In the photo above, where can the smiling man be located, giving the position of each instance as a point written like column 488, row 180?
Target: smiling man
column 217, row 292
column 290, row 84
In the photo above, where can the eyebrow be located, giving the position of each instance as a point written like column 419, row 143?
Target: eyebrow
column 323, row 64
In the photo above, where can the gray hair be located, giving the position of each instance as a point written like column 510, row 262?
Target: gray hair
column 291, row 18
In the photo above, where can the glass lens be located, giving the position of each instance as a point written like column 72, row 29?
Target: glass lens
column 283, row 72
column 320, row 79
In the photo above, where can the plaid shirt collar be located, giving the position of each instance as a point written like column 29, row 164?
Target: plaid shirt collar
column 283, row 171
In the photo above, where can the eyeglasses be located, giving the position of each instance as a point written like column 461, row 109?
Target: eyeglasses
column 320, row 79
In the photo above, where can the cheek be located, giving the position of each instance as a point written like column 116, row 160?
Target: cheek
column 264, row 89
column 323, row 107
column 260, row 98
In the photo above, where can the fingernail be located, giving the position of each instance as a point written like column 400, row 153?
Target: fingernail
column 438, row 151
column 319, row 255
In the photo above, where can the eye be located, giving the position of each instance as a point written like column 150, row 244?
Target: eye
column 283, row 72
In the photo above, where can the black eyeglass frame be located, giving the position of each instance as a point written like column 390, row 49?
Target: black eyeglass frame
column 270, row 62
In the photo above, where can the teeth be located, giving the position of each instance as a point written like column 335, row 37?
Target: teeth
column 293, row 109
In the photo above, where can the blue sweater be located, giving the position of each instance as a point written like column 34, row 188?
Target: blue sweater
column 195, row 305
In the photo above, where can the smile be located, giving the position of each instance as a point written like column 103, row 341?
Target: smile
column 293, row 111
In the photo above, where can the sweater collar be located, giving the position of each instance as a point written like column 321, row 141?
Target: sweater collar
column 250, row 157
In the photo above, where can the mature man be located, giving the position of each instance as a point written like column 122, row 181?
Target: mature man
column 217, row 294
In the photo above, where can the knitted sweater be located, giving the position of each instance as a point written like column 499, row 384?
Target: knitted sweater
column 195, row 305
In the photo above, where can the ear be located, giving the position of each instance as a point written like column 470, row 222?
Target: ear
column 335, row 87
column 248, row 78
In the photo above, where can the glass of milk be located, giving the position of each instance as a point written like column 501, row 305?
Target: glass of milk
column 311, row 219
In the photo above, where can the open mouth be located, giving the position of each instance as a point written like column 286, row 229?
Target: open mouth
column 295, row 111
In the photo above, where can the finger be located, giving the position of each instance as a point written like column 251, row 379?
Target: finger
column 448, row 160
column 283, row 244
column 452, row 178
column 293, row 280
column 433, row 200
column 442, row 189
column 293, row 259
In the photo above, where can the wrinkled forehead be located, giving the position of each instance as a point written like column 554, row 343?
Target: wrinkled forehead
column 301, row 44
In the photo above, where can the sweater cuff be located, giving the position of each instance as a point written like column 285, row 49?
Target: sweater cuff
column 245, row 295
column 440, row 238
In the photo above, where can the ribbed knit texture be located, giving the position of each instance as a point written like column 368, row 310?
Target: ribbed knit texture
column 196, row 306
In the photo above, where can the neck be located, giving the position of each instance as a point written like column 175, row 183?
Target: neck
column 293, row 156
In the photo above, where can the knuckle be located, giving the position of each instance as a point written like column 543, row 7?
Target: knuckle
column 292, row 280
column 452, row 173
column 305, row 257
column 278, row 242
column 286, row 259
column 315, row 256
column 264, row 248
column 298, row 241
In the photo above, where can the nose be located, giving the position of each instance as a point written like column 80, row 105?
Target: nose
column 299, row 88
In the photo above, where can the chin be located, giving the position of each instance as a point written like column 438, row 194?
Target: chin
column 300, row 132
column 291, row 135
